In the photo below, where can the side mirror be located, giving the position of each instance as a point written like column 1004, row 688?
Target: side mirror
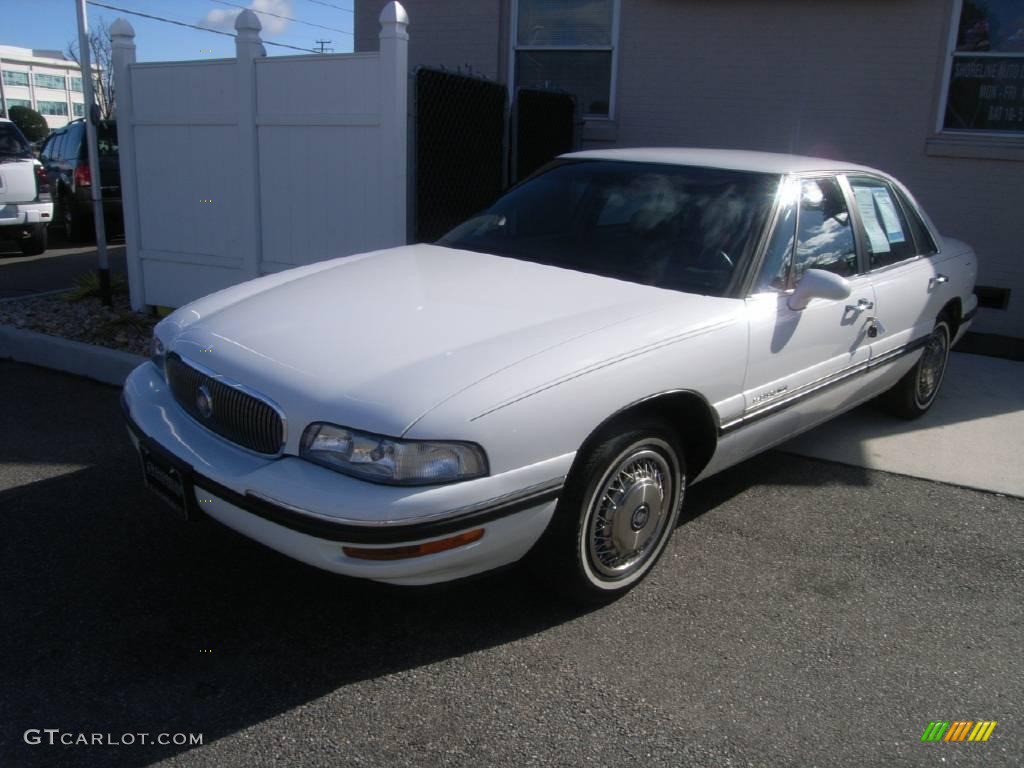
column 818, row 284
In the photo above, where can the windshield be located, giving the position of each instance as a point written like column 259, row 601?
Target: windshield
column 671, row 226
column 12, row 143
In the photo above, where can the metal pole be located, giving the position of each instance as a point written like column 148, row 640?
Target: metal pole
column 96, row 188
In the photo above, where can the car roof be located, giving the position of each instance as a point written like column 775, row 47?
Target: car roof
column 730, row 159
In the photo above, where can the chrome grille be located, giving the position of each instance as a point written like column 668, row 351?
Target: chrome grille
column 237, row 415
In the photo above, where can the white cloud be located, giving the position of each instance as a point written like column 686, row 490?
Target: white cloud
column 224, row 18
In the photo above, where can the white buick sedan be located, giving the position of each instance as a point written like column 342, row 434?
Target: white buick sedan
column 545, row 381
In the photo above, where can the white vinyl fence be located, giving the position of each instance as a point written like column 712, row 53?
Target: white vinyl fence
column 235, row 168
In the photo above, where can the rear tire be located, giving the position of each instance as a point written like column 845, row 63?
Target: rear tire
column 616, row 514
column 75, row 229
column 915, row 393
column 36, row 244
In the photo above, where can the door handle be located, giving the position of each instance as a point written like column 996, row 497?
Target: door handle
column 937, row 280
column 861, row 305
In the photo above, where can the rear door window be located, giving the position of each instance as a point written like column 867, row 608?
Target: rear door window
column 887, row 234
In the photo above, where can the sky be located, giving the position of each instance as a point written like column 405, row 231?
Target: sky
column 51, row 24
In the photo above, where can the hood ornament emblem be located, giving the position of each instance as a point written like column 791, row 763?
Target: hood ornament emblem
column 204, row 402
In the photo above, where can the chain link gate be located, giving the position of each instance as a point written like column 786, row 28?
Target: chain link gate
column 460, row 149
column 463, row 156
column 543, row 127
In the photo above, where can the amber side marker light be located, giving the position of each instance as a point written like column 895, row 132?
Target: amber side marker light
column 415, row 550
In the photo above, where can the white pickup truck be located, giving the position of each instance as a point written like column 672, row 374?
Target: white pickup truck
column 25, row 205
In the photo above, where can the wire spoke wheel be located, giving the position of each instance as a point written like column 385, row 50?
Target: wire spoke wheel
column 616, row 514
column 932, row 366
column 630, row 513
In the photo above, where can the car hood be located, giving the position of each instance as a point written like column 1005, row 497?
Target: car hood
column 375, row 341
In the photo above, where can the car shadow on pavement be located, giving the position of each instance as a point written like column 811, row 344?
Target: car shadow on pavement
column 119, row 618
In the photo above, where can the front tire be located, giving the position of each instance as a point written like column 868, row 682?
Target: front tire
column 616, row 515
column 36, row 244
column 915, row 393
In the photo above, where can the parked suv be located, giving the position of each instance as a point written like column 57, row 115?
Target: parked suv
column 25, row 206
column 66, row 159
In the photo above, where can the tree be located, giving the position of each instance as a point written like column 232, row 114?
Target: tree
column 29, row 122
column 101, row 54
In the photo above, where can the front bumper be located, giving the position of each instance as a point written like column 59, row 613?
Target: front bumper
column 310, row 513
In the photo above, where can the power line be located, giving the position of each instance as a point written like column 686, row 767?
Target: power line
column 158, row 18
column 191, row 26
column 320, row 46
column 329, row 5
column 279, row 16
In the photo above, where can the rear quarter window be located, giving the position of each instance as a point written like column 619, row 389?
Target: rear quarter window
column 73, row 143
column 12, row 142
column 922, row 237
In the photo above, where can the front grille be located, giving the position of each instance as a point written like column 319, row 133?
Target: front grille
column 236, row 415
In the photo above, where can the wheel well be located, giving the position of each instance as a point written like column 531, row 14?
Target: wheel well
column 686, row 412
column 953, row 311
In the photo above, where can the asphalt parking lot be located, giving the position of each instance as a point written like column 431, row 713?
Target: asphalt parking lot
column 55, row 269
column 806, row 614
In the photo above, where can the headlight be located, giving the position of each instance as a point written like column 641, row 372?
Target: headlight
column 157, row 352
column 390, row 460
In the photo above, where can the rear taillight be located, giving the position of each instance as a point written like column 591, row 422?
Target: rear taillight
column 82, row 176
column 42, row 184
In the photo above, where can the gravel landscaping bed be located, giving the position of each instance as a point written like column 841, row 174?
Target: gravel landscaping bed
column 85, row 320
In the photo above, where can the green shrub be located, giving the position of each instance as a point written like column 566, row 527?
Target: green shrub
column 87, row 285
column 30, row 122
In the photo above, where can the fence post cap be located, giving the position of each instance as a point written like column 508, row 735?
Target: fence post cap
column 122, row 28
column 394, row 13
column 248, row 21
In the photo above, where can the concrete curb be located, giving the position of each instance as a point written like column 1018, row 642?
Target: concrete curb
column 110, row 366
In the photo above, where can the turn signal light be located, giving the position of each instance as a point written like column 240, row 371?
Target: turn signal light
column 415, row 550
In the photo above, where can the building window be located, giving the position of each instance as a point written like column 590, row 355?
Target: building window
column 984, row 90
column 76, row 84
column 50, row 81
column 568, row 45
column 52, row 108
column 17, row 103
column 78, row 108
column 15, row 78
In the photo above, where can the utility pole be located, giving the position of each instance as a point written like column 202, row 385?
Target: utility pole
column 322, row 43
column 96, row 187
